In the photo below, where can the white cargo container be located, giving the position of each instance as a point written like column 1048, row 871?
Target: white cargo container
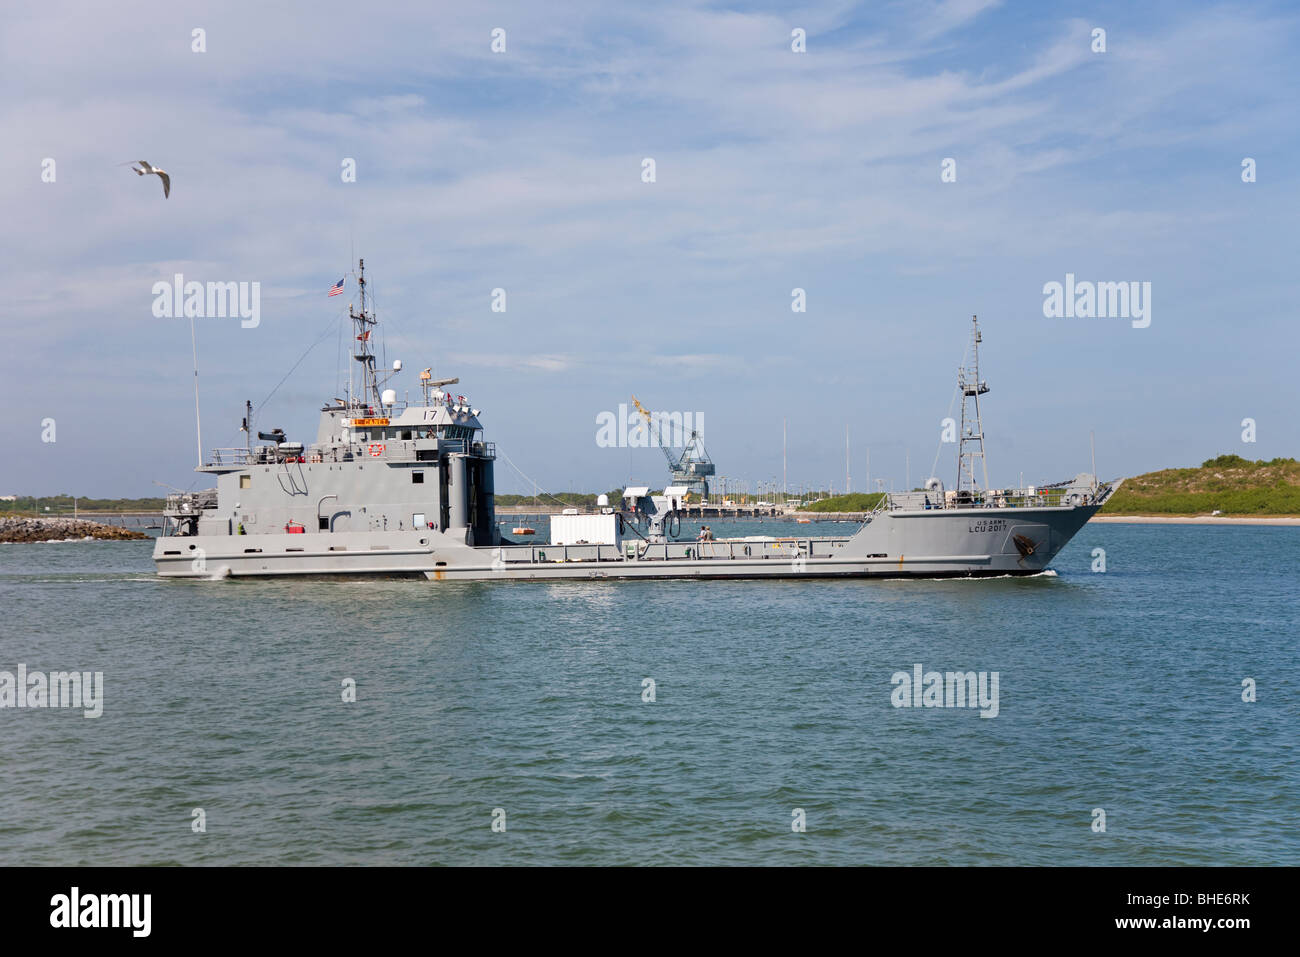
column 586, row 529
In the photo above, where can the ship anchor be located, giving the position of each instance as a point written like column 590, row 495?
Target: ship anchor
column 1025, row 546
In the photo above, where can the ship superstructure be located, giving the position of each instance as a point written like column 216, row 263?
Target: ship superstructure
column 396, row 488
column 378, row 465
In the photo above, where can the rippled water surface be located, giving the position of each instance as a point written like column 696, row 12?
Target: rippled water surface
column 1120, row 691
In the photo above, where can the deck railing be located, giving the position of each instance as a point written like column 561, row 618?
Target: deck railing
column 191, row 503
column 393, row 451
column 777, row 549
column 1053, row 497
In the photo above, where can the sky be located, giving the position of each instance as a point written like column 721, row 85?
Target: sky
column 774, row 170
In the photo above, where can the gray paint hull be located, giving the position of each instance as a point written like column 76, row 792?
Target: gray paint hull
column 928, row 544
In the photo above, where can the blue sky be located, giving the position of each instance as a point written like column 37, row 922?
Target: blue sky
column 775, row 170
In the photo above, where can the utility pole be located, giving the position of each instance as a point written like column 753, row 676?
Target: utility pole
column 784, row 487
column 848, row 479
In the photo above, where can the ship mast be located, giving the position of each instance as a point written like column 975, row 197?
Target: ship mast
column 971, row 437
column 362, row 327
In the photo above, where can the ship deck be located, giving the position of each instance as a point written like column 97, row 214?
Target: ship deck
column 758, row 547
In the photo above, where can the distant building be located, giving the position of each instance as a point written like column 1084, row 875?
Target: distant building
column 8, row 498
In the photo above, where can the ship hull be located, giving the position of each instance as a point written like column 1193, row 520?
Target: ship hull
column 941, row 543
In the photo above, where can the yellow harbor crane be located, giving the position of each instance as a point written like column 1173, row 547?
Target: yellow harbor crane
column 693, row 467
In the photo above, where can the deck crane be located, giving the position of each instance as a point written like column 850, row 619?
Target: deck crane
column 693, row 467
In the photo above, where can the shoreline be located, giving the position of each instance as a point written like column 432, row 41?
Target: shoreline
column 1280, row 520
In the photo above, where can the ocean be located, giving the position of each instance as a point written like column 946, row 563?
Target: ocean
column 632, row 723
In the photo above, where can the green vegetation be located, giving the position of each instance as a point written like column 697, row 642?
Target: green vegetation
column 854, row 502
column 547, row 499
column 1228, row 483
column 62, row 505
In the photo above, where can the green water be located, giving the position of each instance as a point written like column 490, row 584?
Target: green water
column 1119, row 690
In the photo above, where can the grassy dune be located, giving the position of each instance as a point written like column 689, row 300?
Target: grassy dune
column 1229, row 484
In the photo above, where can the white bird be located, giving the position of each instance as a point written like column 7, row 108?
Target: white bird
column 162, row 174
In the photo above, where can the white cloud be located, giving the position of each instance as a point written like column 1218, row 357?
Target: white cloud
column 522, row 171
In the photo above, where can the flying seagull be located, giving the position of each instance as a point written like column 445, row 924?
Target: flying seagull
column 162, row 174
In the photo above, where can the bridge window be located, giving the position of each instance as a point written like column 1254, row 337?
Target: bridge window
column 417, row 478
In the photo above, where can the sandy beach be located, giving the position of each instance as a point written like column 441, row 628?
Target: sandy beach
column 1197, row 519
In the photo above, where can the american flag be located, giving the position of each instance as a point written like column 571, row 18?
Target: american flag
column 337, row 288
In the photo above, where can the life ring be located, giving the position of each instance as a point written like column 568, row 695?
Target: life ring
column 376, row 450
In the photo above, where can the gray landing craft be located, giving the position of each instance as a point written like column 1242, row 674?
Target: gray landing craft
column 397, row 489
